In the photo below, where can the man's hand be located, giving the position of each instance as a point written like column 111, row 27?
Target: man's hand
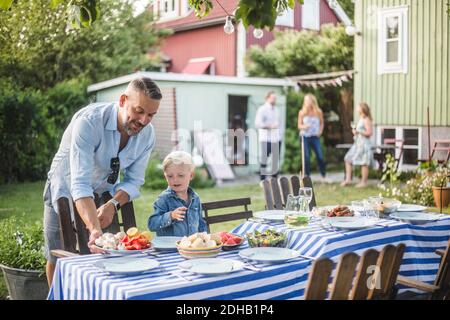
column 105, row 214
column 178, row 213
column 94, row 235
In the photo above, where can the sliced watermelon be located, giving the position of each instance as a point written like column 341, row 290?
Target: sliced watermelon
column 230, row 242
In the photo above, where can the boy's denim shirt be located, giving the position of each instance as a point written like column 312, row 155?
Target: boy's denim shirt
column 161, row 222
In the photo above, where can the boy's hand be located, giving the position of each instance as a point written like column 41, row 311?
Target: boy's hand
column 178, row 213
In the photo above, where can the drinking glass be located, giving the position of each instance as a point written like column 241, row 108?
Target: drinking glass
column 307, row 194
column 293, row 203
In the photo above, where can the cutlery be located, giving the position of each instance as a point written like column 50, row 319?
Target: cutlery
column 307, row 257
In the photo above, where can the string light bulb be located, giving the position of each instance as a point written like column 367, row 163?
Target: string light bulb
column 228, row 27
column 258, row 33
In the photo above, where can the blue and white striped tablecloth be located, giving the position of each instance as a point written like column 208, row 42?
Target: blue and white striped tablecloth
column 77, row 278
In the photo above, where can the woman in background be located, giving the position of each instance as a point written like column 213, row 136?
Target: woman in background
column 360, row 154
column 311, row 124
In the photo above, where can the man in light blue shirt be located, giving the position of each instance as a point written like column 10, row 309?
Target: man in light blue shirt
column 101, row 140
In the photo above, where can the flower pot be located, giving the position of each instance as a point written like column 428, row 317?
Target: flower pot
column 443, row 192
column 25, row 284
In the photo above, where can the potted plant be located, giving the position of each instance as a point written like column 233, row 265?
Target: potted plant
column 22, row 260
column 441, row 188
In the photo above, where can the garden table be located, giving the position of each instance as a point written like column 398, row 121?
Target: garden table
column 77, row 278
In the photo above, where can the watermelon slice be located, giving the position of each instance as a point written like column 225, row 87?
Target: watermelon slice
column 230, row 242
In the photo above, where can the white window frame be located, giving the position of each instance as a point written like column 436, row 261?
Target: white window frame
column 401, row 66
column 286, row 18
column 172, row 12
column 316, row 25
column 399, row 136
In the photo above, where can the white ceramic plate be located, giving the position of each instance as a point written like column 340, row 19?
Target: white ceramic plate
column 126, row 265
column 269, row 254
column 350, row 223
column 122, row 252
column 411, row 208
column 272, row 215
column 211, row 266
column 165, row 243
column 414, row 217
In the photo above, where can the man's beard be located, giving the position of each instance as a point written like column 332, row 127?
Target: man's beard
column 127, row 127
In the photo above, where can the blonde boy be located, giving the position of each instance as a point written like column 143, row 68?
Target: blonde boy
column 177, row 210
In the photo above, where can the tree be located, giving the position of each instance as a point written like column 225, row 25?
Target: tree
column 39, row 50
column 294, row 53
column 259, row 13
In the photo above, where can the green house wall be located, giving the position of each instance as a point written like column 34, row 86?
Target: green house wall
column 402, row 99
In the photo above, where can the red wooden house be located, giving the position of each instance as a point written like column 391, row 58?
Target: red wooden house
column 200, row 46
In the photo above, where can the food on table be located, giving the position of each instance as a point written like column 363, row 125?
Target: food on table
column 385, row 205
column 268, row 238
column 131, row 240
column 200, row 240
column 229, row 239
column 340, row 211
column 297, row 220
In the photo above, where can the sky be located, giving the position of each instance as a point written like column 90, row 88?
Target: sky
column 140, row 5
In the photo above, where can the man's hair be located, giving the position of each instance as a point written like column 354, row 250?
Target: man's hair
column 268, row 94
column 177, row 158
column 148, row 87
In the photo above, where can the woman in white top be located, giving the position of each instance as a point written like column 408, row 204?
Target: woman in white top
column 311, row 124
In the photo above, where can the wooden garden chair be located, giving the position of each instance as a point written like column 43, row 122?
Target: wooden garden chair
column 440, row 147
column 276, row 191
column 440, row 289
column 75, row 236
column 353, row 273
column 225, row 204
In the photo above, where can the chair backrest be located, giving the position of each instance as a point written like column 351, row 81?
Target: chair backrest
column 74, row 234
column 441, row 146
column 276, row 191
column 224, row 204
column 443, row 277
column 371, row 276
column 398, row 144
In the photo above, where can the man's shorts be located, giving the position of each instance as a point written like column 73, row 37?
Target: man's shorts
column 51, row 226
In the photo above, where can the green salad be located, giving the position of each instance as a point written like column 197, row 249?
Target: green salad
column 268, row 238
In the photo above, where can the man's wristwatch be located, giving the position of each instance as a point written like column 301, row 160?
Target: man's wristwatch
column 115, row 203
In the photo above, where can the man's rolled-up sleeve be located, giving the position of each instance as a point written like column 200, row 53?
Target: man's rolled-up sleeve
column 84, row 140
column 134, row 176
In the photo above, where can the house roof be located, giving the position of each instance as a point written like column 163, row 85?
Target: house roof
column 180, row 77
column 217, row 16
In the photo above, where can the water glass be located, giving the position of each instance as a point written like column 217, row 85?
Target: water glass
column 293, row 203
column 307, row 194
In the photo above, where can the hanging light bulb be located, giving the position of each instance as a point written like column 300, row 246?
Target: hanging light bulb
column 228, row 27
column 258, row 33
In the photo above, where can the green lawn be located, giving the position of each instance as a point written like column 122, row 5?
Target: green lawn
column 26, row 199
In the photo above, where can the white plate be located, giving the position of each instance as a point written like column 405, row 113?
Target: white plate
column 268, row 254
column 414, row 217
column 211, row 266
column 122, row 252
column 411, row 208
column 126, row 265
column 350, row 223
column 272, row 215
column 165, row 243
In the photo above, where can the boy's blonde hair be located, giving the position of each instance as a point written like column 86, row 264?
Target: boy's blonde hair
column 177, row 158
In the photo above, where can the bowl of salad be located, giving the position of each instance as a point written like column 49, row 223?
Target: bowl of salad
column 267, row 238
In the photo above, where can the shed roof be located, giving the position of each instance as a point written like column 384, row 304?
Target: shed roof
column 179, row 77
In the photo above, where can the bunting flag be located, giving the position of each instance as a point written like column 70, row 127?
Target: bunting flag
column 335, row 79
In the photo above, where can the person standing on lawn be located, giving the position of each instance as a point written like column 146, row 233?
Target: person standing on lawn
column 311, row 124
column 360, row 154
column 267, row 120
column 101, row 140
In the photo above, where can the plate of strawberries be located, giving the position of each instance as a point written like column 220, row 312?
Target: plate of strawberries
column 230, row 240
